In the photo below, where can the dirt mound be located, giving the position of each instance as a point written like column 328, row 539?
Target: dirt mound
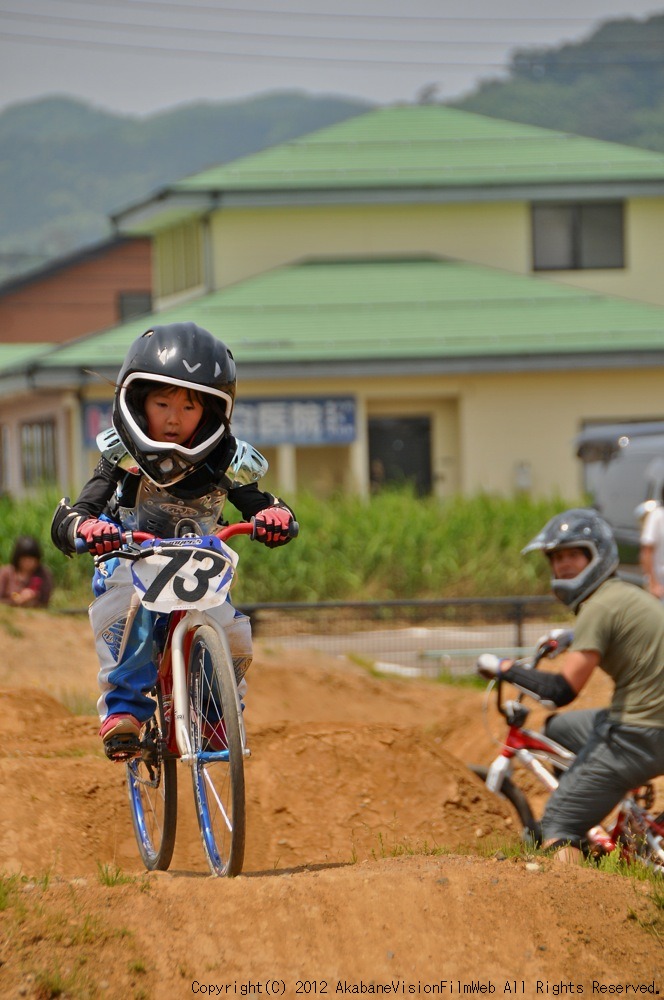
column 369, row 852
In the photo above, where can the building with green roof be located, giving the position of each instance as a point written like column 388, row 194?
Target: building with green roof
column 415, row 293
column 417, row 181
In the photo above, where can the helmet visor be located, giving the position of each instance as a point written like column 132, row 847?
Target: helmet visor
column 211, row 428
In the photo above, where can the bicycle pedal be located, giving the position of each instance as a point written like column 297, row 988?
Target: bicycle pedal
column 122, row 747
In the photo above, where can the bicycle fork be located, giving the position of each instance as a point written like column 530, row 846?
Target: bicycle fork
column 180, row 703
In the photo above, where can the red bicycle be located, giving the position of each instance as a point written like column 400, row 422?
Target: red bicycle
column 197, row 716
column 632, row 829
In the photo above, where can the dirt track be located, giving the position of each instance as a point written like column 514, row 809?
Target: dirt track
column 355, row 785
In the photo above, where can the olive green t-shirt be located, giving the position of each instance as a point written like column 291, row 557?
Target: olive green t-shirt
column 625, row 625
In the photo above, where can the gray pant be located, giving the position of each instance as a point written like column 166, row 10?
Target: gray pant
column 612, row 758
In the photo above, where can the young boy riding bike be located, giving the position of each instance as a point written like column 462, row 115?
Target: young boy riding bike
column 167, row 466
column 619, row 628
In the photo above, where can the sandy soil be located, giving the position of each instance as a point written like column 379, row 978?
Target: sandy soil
column 371, row 863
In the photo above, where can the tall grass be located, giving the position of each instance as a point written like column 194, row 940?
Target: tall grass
column 390, row 546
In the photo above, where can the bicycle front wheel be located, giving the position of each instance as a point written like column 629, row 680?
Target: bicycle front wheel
column 152, row 787
column 216, row 741
column 531, row 829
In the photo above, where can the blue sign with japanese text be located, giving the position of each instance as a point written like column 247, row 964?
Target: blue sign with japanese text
column 309, row 421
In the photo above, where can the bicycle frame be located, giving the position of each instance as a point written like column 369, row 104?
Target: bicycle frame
column 173, row 677
column 197, row 718
column 172, row 674
column 527, row 747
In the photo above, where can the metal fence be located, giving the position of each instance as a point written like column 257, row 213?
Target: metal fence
column 411, row 638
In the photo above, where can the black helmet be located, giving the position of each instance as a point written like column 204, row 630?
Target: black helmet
column 185, row 356
column 579, row 528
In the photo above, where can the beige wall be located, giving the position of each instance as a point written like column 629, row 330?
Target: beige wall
column 533, row 419
column 247, row 242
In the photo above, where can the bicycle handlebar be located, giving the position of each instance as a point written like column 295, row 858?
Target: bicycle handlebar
column 239, row 528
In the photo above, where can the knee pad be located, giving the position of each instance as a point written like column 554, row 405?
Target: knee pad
column 108, row 618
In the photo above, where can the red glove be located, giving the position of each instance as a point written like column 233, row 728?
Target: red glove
column 271, row 526
column 99, row 536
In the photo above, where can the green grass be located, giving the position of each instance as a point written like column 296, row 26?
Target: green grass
column 391, row 546
column 461, row 680
column 8, row 890
column 111, row 875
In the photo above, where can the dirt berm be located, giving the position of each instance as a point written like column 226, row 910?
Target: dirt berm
column 371, row 862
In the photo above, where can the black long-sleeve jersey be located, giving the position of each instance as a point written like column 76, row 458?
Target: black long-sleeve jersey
column 114, row 491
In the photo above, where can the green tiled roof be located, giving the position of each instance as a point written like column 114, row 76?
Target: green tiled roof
column 17, row 354
column 429, row 146
column 382, row 310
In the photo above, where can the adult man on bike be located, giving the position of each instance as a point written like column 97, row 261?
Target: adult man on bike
column 619, row 628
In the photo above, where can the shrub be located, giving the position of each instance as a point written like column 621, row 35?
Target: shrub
column 392, row 545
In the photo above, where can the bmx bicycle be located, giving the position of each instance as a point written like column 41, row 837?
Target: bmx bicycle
column 198, row 717
column 631, row 828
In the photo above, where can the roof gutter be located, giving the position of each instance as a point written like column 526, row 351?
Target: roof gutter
column 145, row 216
column 158, row 212
column 36, row 377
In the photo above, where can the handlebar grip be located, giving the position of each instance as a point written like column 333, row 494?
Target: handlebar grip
column 81, row 546
column 488, row 665
column 293, row 529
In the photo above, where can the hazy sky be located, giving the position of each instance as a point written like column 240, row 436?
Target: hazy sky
column 141, row 56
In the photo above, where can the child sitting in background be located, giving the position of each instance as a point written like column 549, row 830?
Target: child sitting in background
column 26, row 582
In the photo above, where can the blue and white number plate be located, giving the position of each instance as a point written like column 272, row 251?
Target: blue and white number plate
column 183, row 573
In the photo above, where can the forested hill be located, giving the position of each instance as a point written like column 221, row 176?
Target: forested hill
column 610, row 86
column 65, row 166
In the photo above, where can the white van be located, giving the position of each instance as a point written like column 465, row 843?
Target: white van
column 624, row 476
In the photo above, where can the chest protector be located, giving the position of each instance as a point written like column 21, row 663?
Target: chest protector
column 161, row 513
column 167, row 515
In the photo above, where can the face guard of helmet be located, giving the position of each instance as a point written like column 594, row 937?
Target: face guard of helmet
column 583, row 529
column 181, row 356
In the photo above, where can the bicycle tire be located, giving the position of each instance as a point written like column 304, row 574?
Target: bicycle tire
column 531, row 831
column 152, row 787
column 218, row 764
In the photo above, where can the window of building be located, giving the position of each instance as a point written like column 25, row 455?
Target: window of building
column 38, row 453
column 573, row 237
column 131, row 304
column 179, row 256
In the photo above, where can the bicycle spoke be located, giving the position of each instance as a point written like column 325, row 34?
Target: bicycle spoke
column 217, row 799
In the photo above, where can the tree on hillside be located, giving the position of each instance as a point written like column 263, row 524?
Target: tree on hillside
column 66, row 166
column 610, row 86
